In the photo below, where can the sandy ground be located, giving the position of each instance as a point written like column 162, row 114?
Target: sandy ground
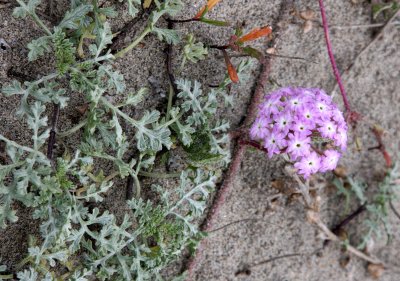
column 271, row 224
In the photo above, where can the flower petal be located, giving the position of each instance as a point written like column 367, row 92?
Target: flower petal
column 210, row 4
column 231, row 69
column 255, row 34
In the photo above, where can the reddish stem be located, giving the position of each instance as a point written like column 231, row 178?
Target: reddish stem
column 216, row 206
column 235, row 164
column 352, row 116
column 332, row 58
column 253, row 144
column 381, row 146
column 240, row 148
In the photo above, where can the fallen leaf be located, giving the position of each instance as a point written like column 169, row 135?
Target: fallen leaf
column 340, row 171
column 147, row 3
column 271, row 51
column 293, row 198
column 82, row 108
column 376, row 270
column 307, row 14
column 255, row 34
column 278, row 185
column 231, row 69
column 307, row 26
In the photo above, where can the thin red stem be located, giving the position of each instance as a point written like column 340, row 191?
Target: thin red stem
column 240, row 147
column 332, row 57
column 254, row 144
column 216, row 206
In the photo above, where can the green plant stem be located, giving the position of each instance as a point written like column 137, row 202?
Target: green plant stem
column 73, row 129
column 111, row 176
column 23, row 262
column 119, row 112
column 35, row 17
column 46, row 78
column 98, row 59
column 131, row 171
column 8, row 276
column 172, row 121
column 11, row 166
column 25, row 148
column 133, row 121
column 138, row 187
column 159, row 175
column 133, row 44
column 41, row 24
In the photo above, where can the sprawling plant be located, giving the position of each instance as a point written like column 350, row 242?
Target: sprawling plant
column 79, row 239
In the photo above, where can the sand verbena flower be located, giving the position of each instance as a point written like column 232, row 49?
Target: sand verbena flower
column 305, row 124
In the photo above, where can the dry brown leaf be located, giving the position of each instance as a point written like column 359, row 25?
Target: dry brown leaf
column 340, row 171
column 82, row 108
column 344, row 261
column 359, row 144
column 307, row 26
column 293, row 198
column 342, row 234
column 147, row 3
column 278, row 185
column 307, row 14
column 376, row 270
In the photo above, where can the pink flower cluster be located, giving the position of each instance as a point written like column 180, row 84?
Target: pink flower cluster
column 305, row 124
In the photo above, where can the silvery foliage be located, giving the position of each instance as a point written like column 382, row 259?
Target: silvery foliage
column 202, row 108
column 76, row 235
column 193, row 51
column 377, row 223
column 170, row 7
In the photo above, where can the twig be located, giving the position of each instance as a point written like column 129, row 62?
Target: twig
column 183, row 21
column 119, row 39
column 52, row 138
column 361, row 26
column 366, row 48
column 232, row 223
column 332, row 58
column 240, row 221
column 130, row 184
column 314, row 218
column 349, row 218
column 245, row 270
column 304, row 188
column 169, row 52
column 346, row 221
column 275, row 258
column 396, row 213
column 381, row 146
